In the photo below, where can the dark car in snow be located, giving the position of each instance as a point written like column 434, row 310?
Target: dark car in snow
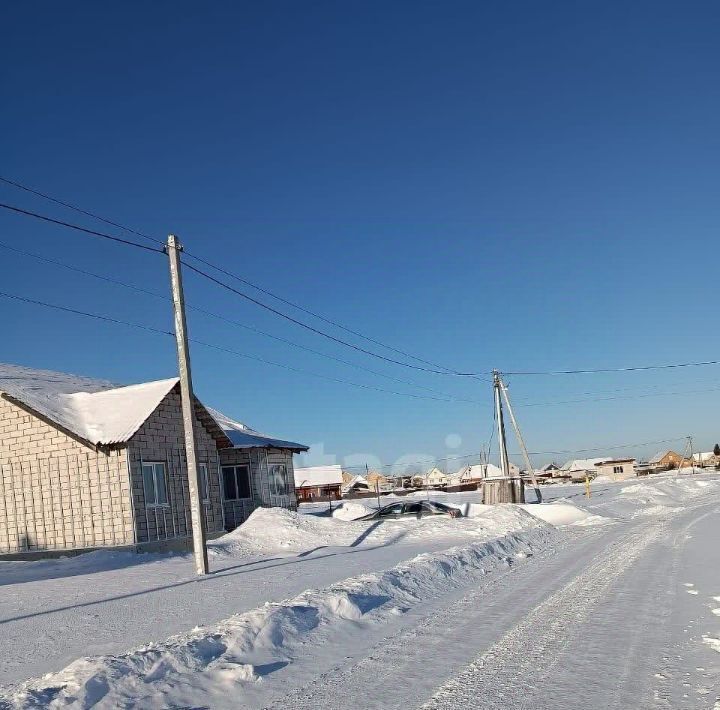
column 419, row 509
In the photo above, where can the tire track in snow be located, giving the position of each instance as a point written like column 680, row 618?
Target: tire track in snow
column 436, row 632
column 509, row 673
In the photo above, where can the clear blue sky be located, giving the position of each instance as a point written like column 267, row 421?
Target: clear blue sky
column 520, row 186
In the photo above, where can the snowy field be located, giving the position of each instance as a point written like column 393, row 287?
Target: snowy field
column 611, row 602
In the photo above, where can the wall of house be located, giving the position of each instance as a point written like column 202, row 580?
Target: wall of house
column 161, row 439
column 56, row 493
column 260, row 462
column 628, row 471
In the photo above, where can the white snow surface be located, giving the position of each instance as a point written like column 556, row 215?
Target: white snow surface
column 351, row 510
column 295, row 593
column 210, row 662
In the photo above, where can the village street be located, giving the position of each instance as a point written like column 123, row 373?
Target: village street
column 608, row 618
column 617, row 610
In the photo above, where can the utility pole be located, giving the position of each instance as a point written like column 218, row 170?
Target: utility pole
column 692, row 455
column 520, row 439
column 188, row 410
column 504, row 463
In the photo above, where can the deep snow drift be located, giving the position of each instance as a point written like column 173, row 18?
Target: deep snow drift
column 205, row 664
column 232, row 656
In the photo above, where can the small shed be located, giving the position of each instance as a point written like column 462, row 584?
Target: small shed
column 616, row 469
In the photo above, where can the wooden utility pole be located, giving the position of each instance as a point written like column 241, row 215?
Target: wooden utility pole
column 692, row 454
column 504, row 462
column 521, row 441
column 188, row 409
column 505, row 489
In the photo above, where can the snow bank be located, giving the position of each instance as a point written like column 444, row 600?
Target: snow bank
column 561, row 514
column 557, row 514
column 207, row 664
column 278, row 529
column 667, row 492
column 351, row 510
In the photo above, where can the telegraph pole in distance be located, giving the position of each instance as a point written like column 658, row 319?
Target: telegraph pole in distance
column 188, row 409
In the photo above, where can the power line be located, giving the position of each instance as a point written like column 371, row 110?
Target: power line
column 606, row 448
column 430, row 460
column 231, row 321
column 78, row 228
column 76, row 312
column 321, row 332
column 80, row 210
column 615, row 369
column 221, row 348
column 314, row 314
column 419, row 463
column 621, row 397
column 240, row 279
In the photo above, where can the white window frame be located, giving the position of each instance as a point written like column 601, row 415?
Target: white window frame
column 235, row 467
column 154, row 503
column 274, row 490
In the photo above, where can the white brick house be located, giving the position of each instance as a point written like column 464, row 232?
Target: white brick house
column 87, row 464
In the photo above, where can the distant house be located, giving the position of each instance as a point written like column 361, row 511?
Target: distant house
column 435, row 478
column 706, row 459
column 379, row 481
column 354, row 484
column 665, row 461
column 318, row 483
column 579, row 469
column 477, row 472
column 85, row 463
column 616, row 469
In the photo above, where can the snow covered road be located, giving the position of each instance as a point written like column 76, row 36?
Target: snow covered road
column 500, row 611
column 618, row 635
column 605, row 620
column 599, row 622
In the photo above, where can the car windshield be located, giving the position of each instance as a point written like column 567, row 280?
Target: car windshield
column 392, row 509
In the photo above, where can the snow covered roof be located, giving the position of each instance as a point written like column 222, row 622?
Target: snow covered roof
column 318, row 476
column 478, row 470
column 97, row 411
column 356, row 482
column 243, row 437
column 581, row 465
column 104, row 413
column 704, row 456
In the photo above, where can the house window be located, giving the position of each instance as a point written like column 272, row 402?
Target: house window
column 236, row 482
column 204, row 483
column 279, row 480
column 155, row 484
column 617, row 469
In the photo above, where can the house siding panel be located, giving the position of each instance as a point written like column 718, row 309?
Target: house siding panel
column 57, row 493
column 162, row 439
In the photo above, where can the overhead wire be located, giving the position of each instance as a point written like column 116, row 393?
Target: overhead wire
column 317, row 331
column 197, row 309
column 434, row 368
column 87, row 213
column 215, row 346
column 221, row 270
column 613, row 369
column 430, row 460
column 79, row 228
